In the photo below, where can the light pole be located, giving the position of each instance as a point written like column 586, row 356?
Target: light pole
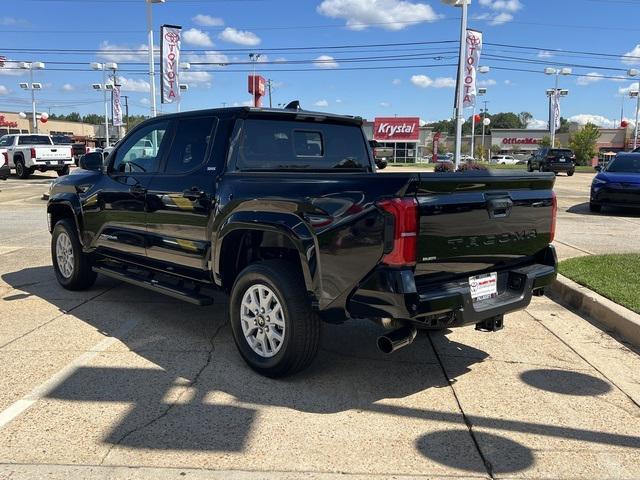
column 481, row 92
column 634, row 73
column 553, row 98
column 183, row 88
column 459, row 100
column 485, row 123
column 33, row 87
column 103, row 86
column 254, row 57
column 152, row 74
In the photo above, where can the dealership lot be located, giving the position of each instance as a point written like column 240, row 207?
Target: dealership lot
column 118, row 377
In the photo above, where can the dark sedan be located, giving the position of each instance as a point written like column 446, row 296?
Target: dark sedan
column 618, row 184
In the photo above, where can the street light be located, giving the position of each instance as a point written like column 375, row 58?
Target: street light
column 183, row 88
column 554, row 94
column 459, row 110
column 104, row 87
column 634, row 73
column 254, row 57
column 481, row 92
column 152, row 74
column 31, row 66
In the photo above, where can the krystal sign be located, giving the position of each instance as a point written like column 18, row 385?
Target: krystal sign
column 396, row 129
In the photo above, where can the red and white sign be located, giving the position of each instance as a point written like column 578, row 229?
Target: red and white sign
column 520, row 141
column 471, row 60
column 6, row 123
column 396, row 129
column 169, row 71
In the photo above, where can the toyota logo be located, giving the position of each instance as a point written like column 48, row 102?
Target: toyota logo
column 473, row 39
column 172, row 37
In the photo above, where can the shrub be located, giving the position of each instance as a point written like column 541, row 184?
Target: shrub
column 472, row 166
column 443, row 167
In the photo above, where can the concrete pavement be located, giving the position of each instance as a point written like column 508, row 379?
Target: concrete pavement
column 119, row 382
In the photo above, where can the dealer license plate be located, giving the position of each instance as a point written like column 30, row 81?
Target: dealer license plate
column 483, row 286
column 562, row 159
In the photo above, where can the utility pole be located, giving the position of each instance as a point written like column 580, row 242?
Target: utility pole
column 269, row 87
column 484, row 116
column 126, row 109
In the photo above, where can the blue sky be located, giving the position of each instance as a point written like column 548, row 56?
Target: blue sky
column 227, row 30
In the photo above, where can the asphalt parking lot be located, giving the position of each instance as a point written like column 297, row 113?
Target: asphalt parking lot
column 120, row 382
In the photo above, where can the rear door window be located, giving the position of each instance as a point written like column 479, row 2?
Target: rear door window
column 190, row 144
column 290, row 145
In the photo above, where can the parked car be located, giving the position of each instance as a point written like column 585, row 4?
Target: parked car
column 381, row 154
column 283, row 209
column 503, row 160
column 554, row 160
column 30, row 152
column 443, row 158
column 467, row 158
column 618, row 184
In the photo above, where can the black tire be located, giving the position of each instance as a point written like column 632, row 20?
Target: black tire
column 82, row 276
column 21, row 171
column 529, row 167
column 570, row 173
column 594, row 207
column 63, row 171
column 541, row 168
column 302, row 325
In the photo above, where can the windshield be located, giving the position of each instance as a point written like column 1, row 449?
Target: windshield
column 627, row 164
column 34, row 140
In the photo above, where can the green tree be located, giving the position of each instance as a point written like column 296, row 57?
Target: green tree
column 495, row 149
column 583, row 143
column 93, row 118
column 444, row 126
column 564, row 125
column 545, row 141
column 505, row 120
column 525, row 118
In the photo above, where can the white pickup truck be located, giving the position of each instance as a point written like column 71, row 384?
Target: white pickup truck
column 27, row 153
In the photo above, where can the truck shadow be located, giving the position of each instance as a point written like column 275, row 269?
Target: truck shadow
column 583, row 209
column 188, row 388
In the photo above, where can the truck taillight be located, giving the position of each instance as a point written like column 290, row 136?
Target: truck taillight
column 33, row 153
column 554, row 215
column 402, row 232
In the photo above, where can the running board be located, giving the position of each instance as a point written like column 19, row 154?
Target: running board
column 149, row 282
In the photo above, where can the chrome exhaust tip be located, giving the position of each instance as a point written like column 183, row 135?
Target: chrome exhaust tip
column 396, row 339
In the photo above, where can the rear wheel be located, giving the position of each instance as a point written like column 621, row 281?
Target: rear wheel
column 63, row 171
column 594, row 207
column 73, row 267
column 529, row 167
column 274, row 327
column 22, row 171
column 570, row 173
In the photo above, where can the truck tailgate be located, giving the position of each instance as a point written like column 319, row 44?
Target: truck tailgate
column 60, row 152
column 480, row 221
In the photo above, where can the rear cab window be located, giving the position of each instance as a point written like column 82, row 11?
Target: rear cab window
column 34, row 140
column 277, row 145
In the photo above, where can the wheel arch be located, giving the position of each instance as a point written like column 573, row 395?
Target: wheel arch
column 59, row 208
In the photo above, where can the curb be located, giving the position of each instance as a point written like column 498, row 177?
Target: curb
column 615, row 317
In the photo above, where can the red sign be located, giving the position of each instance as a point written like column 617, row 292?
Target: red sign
column 396, row 129
column 520, row 141
column 6, row 123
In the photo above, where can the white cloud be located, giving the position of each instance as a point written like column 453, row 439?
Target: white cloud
column 4, row 90
column 502, row 5
column 387, row 14
column 134, row 85
column 396, row 81
column 486, row 83
column 12, row 69
column 67, row 87
column 508, row 83
column 145, row 101
column 536, row 124
column 11, row 21
column 633, row 87
column 424, row 81
column 245, row 103
column 385, row 104
column 196, row 37
column 599, row 120
column 196, row 78
column 241, row 37
column 122, row 53
column 207, row 21
column 325, row 61
column 589, row 78
column 338, row 100
column 501, row 18
column 321, row 103
column 209, row 57
column 635, row 52
column 545, row 54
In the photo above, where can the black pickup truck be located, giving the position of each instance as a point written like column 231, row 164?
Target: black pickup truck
column 284, row 210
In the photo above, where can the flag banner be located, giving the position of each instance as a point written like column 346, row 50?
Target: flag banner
column 117, row 107
column 470, row 67
column 169, row 71
column 555, row 106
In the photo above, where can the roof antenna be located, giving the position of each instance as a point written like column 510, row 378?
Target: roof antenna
column 295, row 105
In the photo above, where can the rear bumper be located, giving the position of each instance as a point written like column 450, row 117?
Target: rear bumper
column 52, row 164
column 392, row 293
column 559, row 167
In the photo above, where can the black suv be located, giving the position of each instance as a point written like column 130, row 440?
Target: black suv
column 554, row 160
column 284, row 210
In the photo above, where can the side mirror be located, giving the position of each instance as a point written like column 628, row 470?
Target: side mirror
column 91, row 161
column 598, row 168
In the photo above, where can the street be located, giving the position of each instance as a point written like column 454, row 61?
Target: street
column 96, row 382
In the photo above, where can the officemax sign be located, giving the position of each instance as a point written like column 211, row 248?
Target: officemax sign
column 396, row 129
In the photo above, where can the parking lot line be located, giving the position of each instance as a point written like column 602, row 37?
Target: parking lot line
column 20, row 406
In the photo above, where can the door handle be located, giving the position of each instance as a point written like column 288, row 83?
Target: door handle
column 137, row 190
column 193, row 193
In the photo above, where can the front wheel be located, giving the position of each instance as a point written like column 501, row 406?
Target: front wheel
column 570, row 173
column 274, row 327
column 73, row 267
column 63, row 171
